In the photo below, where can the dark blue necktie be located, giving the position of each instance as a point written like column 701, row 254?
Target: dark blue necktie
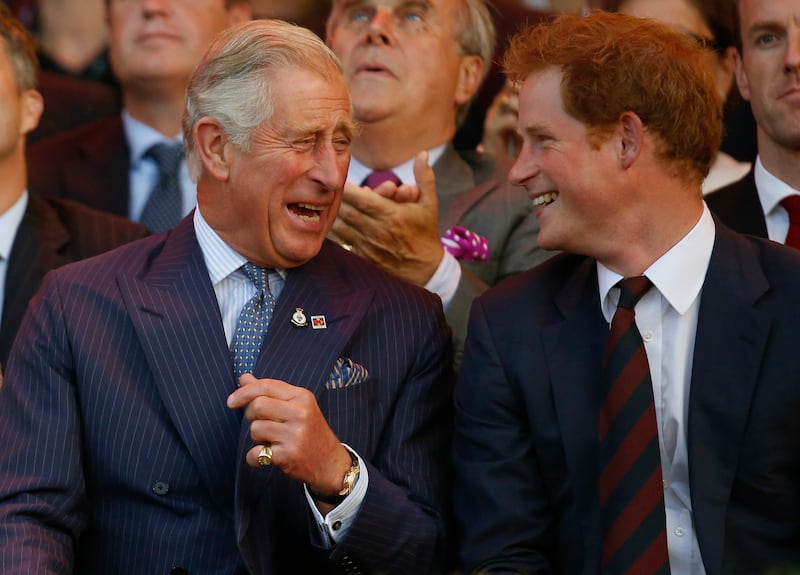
column 162, row 210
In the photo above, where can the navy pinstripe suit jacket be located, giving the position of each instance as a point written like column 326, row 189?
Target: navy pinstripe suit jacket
column 121, row 456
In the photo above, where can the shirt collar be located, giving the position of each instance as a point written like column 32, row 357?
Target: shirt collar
column 678, row 274
column 9, row 224
column 771, row 190
column 141, row 137
column 405, row 171
column 221, row 259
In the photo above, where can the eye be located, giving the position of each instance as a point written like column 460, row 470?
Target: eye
column 766, row 39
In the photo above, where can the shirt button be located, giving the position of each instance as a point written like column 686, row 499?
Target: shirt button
column 160, row 487
column 647, row 335
column 679, row 531
column 336, row 525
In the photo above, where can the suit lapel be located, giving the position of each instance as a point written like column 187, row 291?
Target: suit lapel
column 176, row 316
column 102, row 175
column 301, row 356
column 730, row 342
column 36, row 250
column 739, row 206
column 574, row 349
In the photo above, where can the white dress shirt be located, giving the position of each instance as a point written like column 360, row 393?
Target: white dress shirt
column 9, row 224
column 771, row 191
column 233, row 289
column 667, row 320
column 143, row 174
column 444, row 281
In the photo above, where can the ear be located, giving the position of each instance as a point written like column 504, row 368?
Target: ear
column 31, row 110
column 630, row 134
column 741, row 76
column 725, row 71
column 239, row 12
column 469, row 78
column 210, row 143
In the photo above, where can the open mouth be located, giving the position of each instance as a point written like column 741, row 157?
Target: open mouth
column 306, row 212
column 545, row 199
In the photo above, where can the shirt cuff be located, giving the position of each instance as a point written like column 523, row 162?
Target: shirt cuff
column 444, row 281
column 334, row 526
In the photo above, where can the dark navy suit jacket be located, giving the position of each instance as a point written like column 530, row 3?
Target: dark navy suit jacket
column 739, row 207
column 527, row 402
column 122, row 457
column 53, row 233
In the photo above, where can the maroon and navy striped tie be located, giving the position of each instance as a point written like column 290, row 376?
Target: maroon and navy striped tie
column 631, row 488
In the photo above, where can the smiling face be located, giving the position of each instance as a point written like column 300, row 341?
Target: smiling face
column 401, row 59
column 280, row 199
column 768, row 71
column 567, row 178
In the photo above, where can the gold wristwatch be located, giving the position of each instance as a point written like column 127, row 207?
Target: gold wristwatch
column 348, row 483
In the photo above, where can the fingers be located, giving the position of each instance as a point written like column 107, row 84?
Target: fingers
column 426, row 181
column 250, row 388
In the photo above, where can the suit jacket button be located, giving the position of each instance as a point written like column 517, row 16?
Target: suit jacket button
column 162, row 488
column 179, row 571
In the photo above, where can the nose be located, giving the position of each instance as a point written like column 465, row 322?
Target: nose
column 380, row 30
column 153, row 7
column 330, row 167
column 524, row 169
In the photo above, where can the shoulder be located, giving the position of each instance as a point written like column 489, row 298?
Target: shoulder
column 361, row 274
column 539, row 286
column 107, row 134
column 728, row 197
column 96, row 230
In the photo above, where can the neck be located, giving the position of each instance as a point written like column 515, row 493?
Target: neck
column 644, row 235
column 781, row 162
column 13, row 180
column 162, row 111
column 384, row 145
column 72, row 33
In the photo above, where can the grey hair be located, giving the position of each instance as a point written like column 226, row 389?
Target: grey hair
column 231, row 83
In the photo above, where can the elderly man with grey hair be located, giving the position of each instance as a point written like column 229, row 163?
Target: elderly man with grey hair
column 228, row 396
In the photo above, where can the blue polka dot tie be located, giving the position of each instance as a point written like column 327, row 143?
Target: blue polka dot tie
column 253, row 321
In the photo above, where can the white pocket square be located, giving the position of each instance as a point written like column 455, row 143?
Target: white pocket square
column 346, row 373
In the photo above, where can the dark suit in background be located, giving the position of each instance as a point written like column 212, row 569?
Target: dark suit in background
column 544, row 367
column 53, row 233
column 739, row 206
column 89, row 165
column 70, row 103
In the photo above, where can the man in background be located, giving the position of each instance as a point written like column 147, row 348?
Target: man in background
column 412, row 69
column 766, row 202
column 36, row 235
column 133, row 165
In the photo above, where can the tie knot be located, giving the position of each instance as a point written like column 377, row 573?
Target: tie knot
column 632, row 290
column 167, row 155
column 376, row 178
column 258, row 275
column 792, row 205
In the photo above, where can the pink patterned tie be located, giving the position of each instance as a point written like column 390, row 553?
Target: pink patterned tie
column 376, row 178
column 465, row 244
